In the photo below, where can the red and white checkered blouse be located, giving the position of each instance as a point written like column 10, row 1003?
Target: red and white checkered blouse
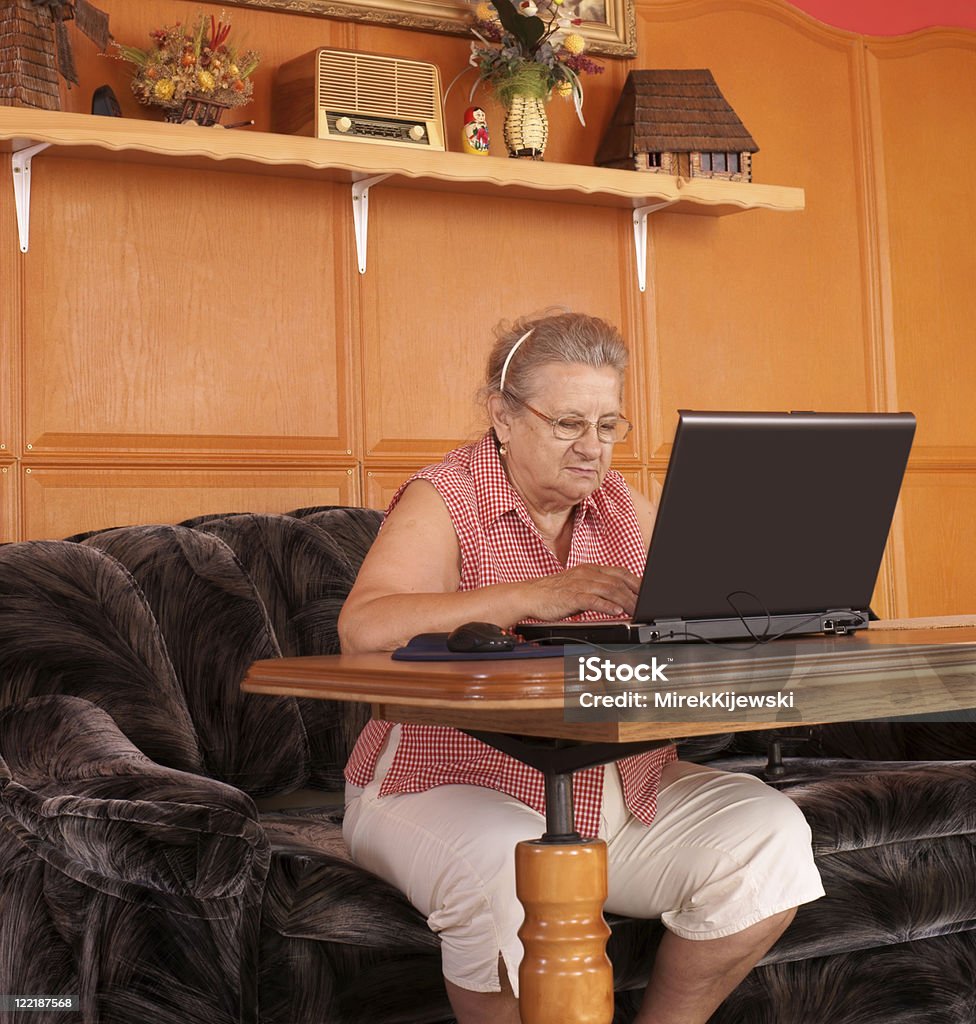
column 500, row 544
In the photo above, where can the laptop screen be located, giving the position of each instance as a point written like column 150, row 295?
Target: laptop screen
column 773, row 513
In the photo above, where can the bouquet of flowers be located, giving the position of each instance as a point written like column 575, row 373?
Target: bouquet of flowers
column 191, row 63
column 528, row 47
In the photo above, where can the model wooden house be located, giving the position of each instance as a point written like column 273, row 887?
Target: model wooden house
column 677, row 122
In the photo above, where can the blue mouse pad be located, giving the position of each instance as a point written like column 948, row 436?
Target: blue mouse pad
column 433, row 647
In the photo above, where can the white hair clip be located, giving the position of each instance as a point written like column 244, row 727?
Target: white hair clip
column 508, row 359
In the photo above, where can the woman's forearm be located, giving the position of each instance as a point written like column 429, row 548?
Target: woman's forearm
column 388, row 621
column 382, row 621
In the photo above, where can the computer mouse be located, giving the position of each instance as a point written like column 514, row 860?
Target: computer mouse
column 480, row 638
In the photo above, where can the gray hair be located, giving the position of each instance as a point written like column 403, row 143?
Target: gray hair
column 532, row 342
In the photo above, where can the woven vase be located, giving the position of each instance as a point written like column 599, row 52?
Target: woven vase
column 526, row 127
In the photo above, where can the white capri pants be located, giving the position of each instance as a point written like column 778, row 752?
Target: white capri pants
column 724, row 852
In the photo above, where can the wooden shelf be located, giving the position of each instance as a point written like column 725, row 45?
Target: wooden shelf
column 358, row 164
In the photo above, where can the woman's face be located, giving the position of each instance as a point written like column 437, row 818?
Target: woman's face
column 550, row 474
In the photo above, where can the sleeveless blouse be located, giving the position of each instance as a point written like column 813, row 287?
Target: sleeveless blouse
column 500, row 544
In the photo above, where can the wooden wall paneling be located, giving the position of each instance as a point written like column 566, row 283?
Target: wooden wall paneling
column 188, row 322
column 443, row 271
column 758, row 311
column 926, row 103
column 11, row 308
column 635, row 477
column 940, row 564
column 9, row 505
column 66, row 499
column 655, row 484
column 380, row 483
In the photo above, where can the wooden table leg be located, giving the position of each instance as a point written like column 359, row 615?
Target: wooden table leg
column 561, row 880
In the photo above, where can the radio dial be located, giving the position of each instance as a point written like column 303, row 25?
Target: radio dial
column 416, row 132
column 343, row 124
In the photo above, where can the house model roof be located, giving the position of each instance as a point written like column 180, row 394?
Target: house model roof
column 673, row 111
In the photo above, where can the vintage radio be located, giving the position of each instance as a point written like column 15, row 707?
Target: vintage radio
column 364, row 97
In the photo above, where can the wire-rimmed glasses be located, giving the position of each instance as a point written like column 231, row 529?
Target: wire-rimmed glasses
column 609, row 429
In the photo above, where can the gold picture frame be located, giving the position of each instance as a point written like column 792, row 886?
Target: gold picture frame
column 609, row 26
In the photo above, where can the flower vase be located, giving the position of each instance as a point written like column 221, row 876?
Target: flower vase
column 526, row 127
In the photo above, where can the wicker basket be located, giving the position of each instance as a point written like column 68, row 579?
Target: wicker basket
column 28, row 56
column 526, row 128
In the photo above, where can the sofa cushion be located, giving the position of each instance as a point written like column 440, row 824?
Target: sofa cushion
column 215, row 625
column 930, row 982
column 338, row 943
column 895, row 844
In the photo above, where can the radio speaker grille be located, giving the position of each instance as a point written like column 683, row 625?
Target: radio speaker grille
column 377, row 85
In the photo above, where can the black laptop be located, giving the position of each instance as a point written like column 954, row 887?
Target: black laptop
column 770, row 524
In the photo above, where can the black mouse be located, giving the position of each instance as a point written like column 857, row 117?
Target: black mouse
column 480, row 638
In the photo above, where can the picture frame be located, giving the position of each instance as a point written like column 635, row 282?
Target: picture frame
column 609, row 26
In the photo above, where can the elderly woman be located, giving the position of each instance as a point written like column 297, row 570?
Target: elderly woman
column 531, row 522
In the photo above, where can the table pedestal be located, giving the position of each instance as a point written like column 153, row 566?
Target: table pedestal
column 565, row 974
column 561, row 881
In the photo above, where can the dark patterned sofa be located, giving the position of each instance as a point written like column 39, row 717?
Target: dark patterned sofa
column 171, row 851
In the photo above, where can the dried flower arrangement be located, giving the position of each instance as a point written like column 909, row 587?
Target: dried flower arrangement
column 191, row 63
column 527, row 47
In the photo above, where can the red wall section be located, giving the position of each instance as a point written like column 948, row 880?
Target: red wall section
column 890, row 17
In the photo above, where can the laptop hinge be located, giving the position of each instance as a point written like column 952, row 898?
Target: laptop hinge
column 836, row 621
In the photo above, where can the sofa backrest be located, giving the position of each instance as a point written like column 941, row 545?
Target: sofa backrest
column 158, row 625
column 303, row 567
column 215, row 625
column 73, row 621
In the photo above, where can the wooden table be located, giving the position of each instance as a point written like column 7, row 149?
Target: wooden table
column 896, row 669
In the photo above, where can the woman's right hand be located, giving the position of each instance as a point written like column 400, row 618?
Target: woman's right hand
column 609, row 589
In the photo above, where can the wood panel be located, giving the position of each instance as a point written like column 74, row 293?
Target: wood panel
column 381, row 483
column 60, row 501
column 10, row 390
column 760, row 311
column 9, row 519
column 217, row 326
column 926, row 108
column 10, row 327
column 940, row 563
column 921, row 98
column 443, row 271
column 635, row 477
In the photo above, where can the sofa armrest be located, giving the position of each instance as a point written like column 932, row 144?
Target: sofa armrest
column 77, row 793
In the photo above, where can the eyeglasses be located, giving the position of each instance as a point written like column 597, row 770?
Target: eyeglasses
column 609, row 430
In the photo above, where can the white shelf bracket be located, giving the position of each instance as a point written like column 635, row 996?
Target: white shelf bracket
column 21, row 164
column 360, row 214
column 640, row 237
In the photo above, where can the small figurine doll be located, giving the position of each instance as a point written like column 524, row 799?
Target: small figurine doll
column 474, row 135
